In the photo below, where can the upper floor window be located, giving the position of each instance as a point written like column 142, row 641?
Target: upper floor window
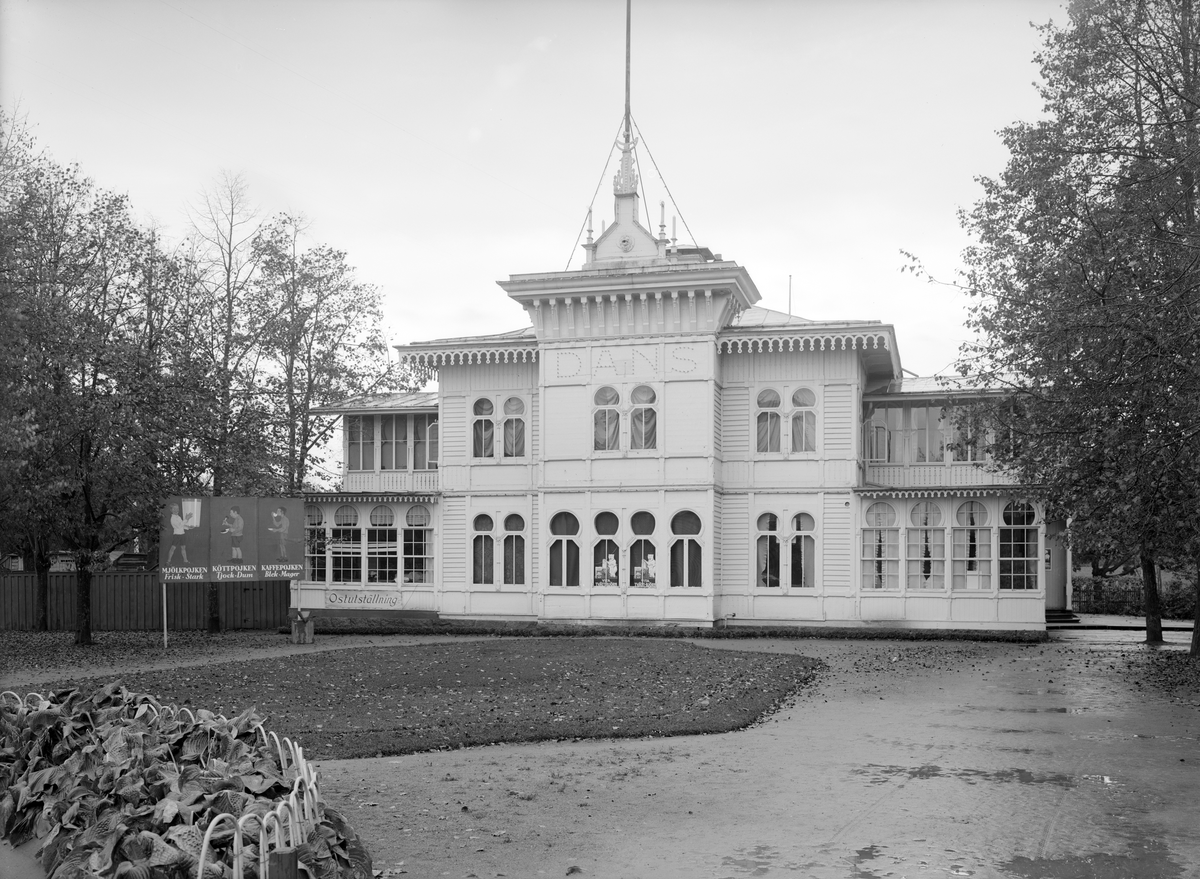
column 1019, row 558
column 804, row 421
column 606, row 420
column 393, row 442
column 643, row 420
column 882, row 427
column 768, row 421
column 767, row 551
column 425, row 442
column 483, row 549
column 564, row 550
column 881, row 548
column 686, row 556
column 928, row 437
column 606, row 554
column 483, row 438
column 804, row 552
column 514, row 428
column 643, row 568
column 360, row 439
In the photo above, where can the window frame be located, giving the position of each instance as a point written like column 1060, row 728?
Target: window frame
column 568, row 568
column 785, row 415
column 797, row 534
column 1026, row 562
column 875, row 567
column 483, row 430
column 768, row 553
column 692, row 551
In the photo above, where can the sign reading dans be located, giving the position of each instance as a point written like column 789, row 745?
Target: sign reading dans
column 231, row 538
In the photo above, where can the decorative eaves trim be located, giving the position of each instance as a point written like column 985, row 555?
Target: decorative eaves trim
column 755, row 343
column 956, row 491
column 425, row 363
column 354, row 498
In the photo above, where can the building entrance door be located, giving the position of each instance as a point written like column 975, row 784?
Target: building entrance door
column 1055, row 567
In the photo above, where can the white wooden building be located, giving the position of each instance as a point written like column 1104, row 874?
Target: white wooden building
column 655, row 447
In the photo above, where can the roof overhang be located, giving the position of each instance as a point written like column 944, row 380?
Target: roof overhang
column 875, row 342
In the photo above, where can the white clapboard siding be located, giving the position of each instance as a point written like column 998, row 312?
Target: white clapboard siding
column 718, row 425
column 839, row 421
column 453, row 428
column 735, row 543
column 837, row 539
column 736, row 420
column 454, row 542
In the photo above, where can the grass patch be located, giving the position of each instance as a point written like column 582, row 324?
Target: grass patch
column 398, row 700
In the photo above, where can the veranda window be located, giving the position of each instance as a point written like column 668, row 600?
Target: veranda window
column 605, row 553
column 926, row 550
column 383, row 549
column 767, row 552
column 514, row 550
column 972, row 552
column 425, row 442
column 393, row 442
column 686, row 556
column 345, row 546
column 881, row 548
column 929, row 441
column 606, row 420
column 418, row 545
column 643, row 567
column 564, row 550
column 643, row 420
column 1019, row 561
column 314, row 543
column 360, row 440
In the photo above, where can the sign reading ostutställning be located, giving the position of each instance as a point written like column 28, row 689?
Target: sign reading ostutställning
column 231, row 538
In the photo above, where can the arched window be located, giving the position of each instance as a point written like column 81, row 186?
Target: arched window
column 564, row 550
column 314, row 543
column 766, row 566
column 686, row 558
column 606, row 420
column 514, row 428
column 881, row 548
column 643, row 420
column 345, row 546
column 926, row 549
column 1019, row 546
column 804, row 552
column 971, row 565
column 605, row 554
column 768, row 421
column 514, row 550
column 804, row 421
column 418, row 545
column 643, row 567
column 483, row 551
column 383, row 548
column 483, row 439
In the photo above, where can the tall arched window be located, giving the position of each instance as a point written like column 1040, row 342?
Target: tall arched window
column 606, row 420
column 768, row 421
column 804, row 421
column 418, row 545
column 643, row 420
column 514, row 428
column 383, row 548
column 643, row 566
column 686, row 558
column 971, row 566
column 804, row 552
column 766, row 566
column 881, row 548
column 564, row 550
column 514, row 550
column 345, row 546
column 483, row 551
column 605, row 553
column 483, row 439
column 1019, row 546
column 314, row 543
column 926, row 549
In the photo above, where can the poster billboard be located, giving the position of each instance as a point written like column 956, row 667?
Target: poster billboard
column 231, row 538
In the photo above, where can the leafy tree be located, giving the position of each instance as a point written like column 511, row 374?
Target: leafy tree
column 1085, row 280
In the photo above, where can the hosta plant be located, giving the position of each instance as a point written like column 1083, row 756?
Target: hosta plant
column 114, row 784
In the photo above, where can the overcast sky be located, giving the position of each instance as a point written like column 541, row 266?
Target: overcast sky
column 447, row 144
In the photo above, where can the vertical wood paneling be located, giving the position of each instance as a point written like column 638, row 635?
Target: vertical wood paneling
column 454, row 543
column 735, row 543
column 718, row 424
column 719, row 532
column 837, row 538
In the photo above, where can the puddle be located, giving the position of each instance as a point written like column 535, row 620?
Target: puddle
column 883, row 774
column 1150, row 859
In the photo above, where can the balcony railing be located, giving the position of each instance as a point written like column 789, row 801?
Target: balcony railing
column 388, row 481
column 936, row 474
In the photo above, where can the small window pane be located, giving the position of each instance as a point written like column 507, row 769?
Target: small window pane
column 483, row 523
column 513, row 522
column 642, row 523
column 881, row 515
column 483, row 407
column 607, row 397
column 417, row 516
column 803, row 398
column 926, row 513
column 514, row 406
column 345, row 515
column 767, row 522
column 803, row 522
column 564, row 523
column 383, row 517
column 313, row 515
column 642, row 396
column 1019, row 513
column 768, row 399
column 607, row 523
column 685, row 522
column 972, row 513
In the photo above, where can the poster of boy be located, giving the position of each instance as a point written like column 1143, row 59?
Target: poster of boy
column 280, row 540
column 183, row 540
column 235, row 552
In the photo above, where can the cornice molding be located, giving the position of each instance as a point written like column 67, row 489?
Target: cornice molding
column 751, row 342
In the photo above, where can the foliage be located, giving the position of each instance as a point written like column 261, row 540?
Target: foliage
column 1122, row 595
column 1086, row 284
column 116, row 785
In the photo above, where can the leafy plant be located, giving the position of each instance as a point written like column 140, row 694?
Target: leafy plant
column 117, row 785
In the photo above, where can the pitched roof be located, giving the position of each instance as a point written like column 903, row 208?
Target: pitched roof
column 424, row 401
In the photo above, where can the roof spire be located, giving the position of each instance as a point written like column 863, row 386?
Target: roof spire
column 628, row 42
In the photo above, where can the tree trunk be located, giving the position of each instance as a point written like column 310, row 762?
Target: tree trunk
column 1195, row 651
column 83, row 603
column 214, row 609
column 1150, row 599
column 41, row 594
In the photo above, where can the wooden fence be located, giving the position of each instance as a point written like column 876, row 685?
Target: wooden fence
column 132, row 600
